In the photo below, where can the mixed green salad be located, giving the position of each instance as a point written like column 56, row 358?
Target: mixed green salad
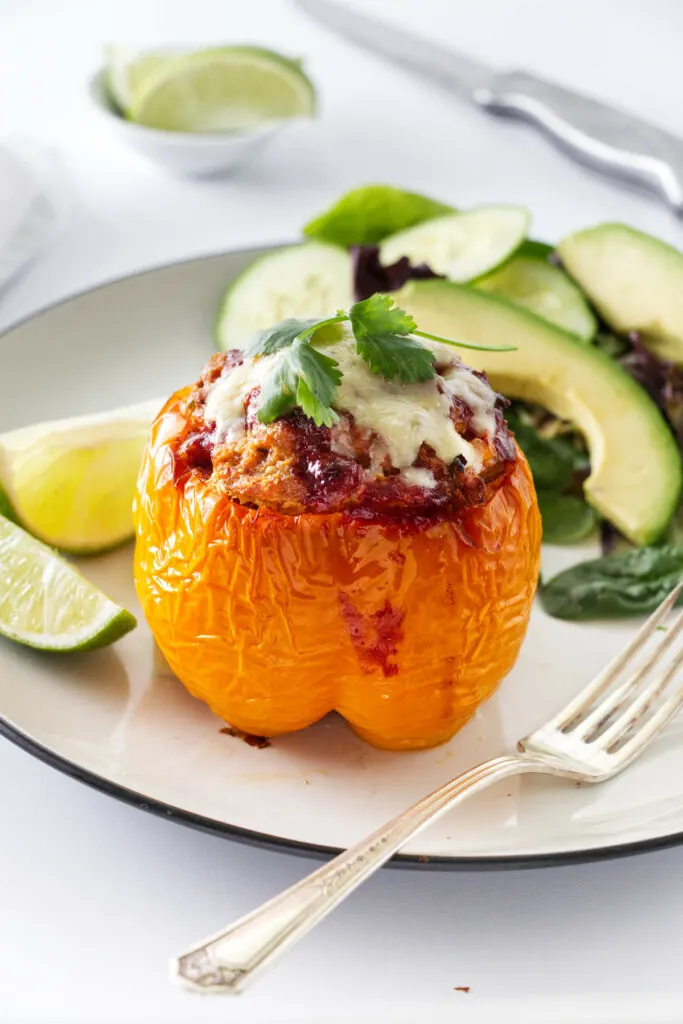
column 595, row 378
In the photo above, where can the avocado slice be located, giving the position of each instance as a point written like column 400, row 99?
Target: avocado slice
column 634, row 280
column 636, row 474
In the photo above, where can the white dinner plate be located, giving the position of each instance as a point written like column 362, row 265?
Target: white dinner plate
column 118, row 720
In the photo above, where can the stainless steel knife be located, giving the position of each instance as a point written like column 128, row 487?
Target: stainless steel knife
column 593, row 133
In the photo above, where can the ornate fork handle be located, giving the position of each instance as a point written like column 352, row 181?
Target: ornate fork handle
column 228, row 961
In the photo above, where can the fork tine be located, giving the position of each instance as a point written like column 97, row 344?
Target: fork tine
column 606, row 677
column 587, row 727
column 654, row 725
column 616, row 700
column 637, row 709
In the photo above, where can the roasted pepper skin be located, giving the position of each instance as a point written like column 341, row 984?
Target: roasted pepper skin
column 402, row 627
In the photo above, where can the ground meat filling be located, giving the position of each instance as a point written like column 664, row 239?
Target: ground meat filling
column 294, row 467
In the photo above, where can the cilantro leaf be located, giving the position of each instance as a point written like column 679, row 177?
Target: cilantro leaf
column 382, row 338
column 379, row 313
column 319, row 378
column 284, row 334
column 278, row 392
column 272, row 339
column 386, row 337
column 303, row 377
column 392, row 355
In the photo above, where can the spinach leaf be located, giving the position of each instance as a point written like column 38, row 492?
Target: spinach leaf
column 552, row 460
column 566, row 517
column 616, row 586
column 613, row 345
column 366, row 215
column 674, row 533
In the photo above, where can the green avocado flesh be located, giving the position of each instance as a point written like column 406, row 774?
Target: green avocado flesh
column 636, row 477
column 635, row 282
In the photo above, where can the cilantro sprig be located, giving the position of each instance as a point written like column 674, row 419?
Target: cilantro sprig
column 386, row 338
column 383, row 339
column 304, row 377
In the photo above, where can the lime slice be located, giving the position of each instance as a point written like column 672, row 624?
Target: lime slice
column 220, row 90
column 46, row 603
column 131, row 70
column 72, row 482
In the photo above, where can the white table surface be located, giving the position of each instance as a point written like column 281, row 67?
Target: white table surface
column 94, row 896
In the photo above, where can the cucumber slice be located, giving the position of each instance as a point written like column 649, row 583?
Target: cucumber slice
column 309, row 280
column 545, row 290
column 532, row 247
column 461, row 246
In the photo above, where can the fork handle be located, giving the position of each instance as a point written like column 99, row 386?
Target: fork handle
column 227, row 961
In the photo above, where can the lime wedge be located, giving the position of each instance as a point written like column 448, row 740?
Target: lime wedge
column 46, row 603
column 71, row 483
column 131, row 70
column 228, row 89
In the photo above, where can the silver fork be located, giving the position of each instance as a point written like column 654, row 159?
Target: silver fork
column 592, row 739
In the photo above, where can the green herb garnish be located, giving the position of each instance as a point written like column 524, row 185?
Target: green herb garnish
column 382, row 332
column 272, row 339
column 386, row 338
column 303, row 377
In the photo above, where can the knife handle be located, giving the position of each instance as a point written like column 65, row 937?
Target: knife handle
column 593, row 133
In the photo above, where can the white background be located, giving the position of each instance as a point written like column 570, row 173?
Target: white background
column 95, row 896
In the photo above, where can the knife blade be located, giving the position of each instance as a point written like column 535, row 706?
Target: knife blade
column 595, row 134
column 430, row 60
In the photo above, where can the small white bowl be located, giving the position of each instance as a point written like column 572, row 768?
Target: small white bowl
column 190, row 154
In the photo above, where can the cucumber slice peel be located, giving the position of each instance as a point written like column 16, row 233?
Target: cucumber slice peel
column 461, row 246
column 544, row 289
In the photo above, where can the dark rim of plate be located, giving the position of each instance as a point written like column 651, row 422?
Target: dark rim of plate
column 267, row 841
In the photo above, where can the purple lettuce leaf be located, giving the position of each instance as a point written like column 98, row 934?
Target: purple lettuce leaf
column 370, row 276
column 662, row 380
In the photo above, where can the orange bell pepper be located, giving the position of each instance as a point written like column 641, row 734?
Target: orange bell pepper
column 275, row 620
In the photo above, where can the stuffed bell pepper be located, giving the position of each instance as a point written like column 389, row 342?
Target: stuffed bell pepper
column 336, row 517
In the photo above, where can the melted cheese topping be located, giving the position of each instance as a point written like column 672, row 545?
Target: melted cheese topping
column 225, row 401
column 404, row 416
column 419, row 477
